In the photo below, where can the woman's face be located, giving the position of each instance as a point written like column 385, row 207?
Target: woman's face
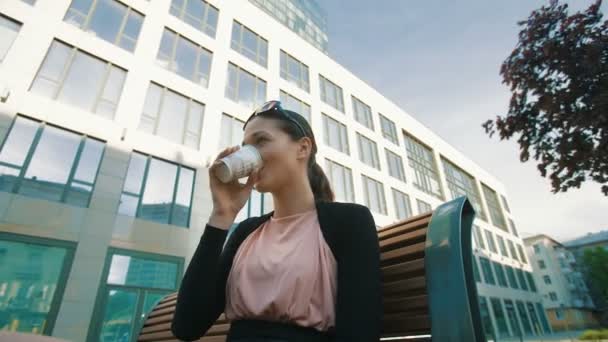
column 283, row 159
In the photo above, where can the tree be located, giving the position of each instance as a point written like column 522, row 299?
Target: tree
column 595, row 262
column 558, row 78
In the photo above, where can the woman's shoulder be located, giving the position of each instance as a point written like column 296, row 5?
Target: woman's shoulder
column 345, row 207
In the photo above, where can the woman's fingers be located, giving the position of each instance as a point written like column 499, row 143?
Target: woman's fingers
column 227, row 151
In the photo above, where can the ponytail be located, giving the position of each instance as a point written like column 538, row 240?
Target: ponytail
column 319, row 182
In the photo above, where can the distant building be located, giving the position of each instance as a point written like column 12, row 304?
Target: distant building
column 566, row 296
column 578, row 247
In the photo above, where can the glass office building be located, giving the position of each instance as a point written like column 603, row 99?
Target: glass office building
column 110, row 111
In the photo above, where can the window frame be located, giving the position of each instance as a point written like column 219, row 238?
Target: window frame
column 164, row 91
column 324, row 85
column 94, row 327
column 303, row 81
column 85, row 26
column 416, row 151
column 238, row 45
column 75, row 163
column 183, row 13
column 142, row 189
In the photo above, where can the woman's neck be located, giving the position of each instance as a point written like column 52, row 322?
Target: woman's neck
column 294, row 199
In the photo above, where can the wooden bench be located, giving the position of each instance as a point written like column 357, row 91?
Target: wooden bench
column 427, row 274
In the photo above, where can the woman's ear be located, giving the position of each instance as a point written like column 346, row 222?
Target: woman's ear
column 304, row 148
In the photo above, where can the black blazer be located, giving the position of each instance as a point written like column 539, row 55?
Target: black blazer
column 350, row 232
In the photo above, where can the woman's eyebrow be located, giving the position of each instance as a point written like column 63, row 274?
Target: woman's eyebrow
column 258, row 133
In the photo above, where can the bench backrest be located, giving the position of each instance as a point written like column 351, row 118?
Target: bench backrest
column 427, row 276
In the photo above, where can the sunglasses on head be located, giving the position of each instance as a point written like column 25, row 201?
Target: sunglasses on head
column 276, row 107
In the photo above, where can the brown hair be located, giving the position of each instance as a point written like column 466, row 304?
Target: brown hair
column 316, row 176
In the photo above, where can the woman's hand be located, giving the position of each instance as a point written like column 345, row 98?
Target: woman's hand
column 228, row 198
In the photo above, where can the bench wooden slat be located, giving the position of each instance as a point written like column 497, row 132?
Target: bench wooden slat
column 413, row 267
column 403, row 253
column 156, row 327
column 401, row 323
column 416, row 284
column 420, row 302
column 166, row 304
column 404, row 226
column 406, row 239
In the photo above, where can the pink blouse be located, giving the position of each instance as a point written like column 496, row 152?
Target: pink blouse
column 284, row 271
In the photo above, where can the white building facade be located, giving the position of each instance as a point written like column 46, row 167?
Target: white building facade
column 109, row 112
column 566, row 297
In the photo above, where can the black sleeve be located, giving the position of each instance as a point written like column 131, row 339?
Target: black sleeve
column 201, row 297
column 359, row 303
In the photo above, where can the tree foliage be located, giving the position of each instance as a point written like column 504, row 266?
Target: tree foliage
column 558, row 78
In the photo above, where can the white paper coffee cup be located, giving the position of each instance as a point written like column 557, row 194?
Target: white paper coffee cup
column 239, row 164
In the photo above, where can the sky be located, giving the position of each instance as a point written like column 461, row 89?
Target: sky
column 439, row 61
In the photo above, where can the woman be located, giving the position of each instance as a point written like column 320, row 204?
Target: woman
column 308, row 271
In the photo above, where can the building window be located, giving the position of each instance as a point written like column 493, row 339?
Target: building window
column 42, row 161
column 512, row 315
column 484, row 312
column 172, row 116
column 500, row 274
column 232, row 131
column 389, row 131
column 403, row 209
column 197, row 13
column 511, row 277
column 304, row 18
column 543, row 318
column 487, row 271
column 253, row 207
column 478, row 237
column 60, row 78
column 531, row 281
column 290, row 102
column 158, row 191
column 422, row 161
column 498, row 219
column 522, row 254
column 109, row 20
column 331, row 94
column 513, row 229
column 133, row 284
column 490, row 239
column 505, row 204
column 249, row 44
column 547, row 279
column 368, row 151
column 553, row 296
column 476, row 270
column 374, row 195
column 9, row 29
column 395, row 165
column 522, row 279
column 334, row 134
column 244, row 87
column 363, row 113
column 541, row 264
column 559, row 313
column 294, row 71
column 536, row 248
column 423, row 207
column 502, row 246
column 512, row 250
column 185, row 58
column 341, row 180
column 34, row 273
column 524, row 318
column 461, row 183
column 499, row 316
